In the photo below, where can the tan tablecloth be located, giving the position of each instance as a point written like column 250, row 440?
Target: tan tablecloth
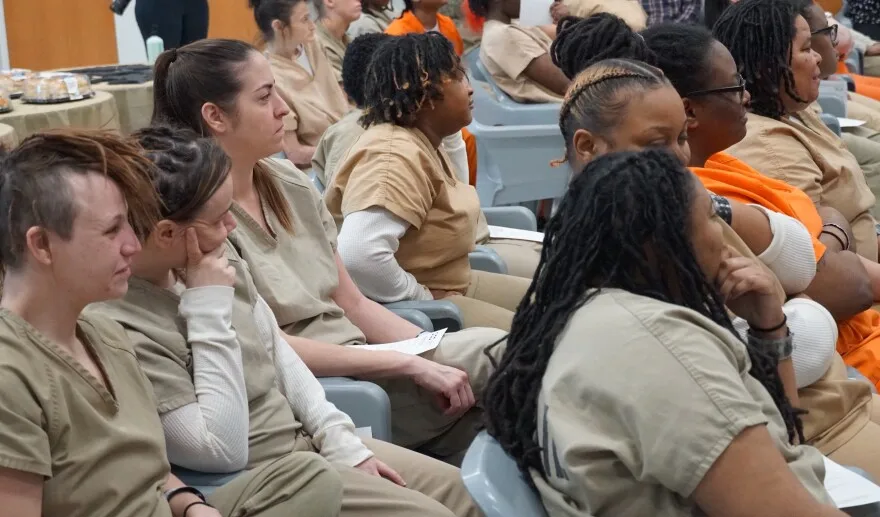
column 99, row 112
column 134, row 102
column 8, row 138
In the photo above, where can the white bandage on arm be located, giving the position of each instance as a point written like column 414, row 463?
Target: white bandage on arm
column 814, row 335
column 367, row 243
column 790, row 254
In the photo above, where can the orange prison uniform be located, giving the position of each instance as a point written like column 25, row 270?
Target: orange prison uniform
column 408, row 24
column 868, row 86
column 859, row 337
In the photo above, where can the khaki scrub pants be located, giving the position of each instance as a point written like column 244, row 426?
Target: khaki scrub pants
column 521, row 257
column 300, row 484
column 491, row 299
column 863, row 450
column 418, row 422
column 433, row 488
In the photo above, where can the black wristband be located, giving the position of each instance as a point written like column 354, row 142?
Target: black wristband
column 174, row 492
column 195, row 503
column 774, row 329
column 722, row 208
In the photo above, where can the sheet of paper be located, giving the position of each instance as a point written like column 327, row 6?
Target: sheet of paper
column 501, row 232
column 847, row 488
column 850, row 122
column 364, row 432
column 535, row 12
column 415, row 346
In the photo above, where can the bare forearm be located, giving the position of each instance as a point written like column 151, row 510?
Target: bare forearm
column 752, row 225
column 379, row 324
column 327, row 360
column 841, row 285
column 179, row 502
column 873, row 269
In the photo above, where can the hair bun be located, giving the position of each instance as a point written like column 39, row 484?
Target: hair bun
column 254, row 4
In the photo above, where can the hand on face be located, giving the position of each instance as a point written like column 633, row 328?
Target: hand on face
column 749, row 291
column 206, row 268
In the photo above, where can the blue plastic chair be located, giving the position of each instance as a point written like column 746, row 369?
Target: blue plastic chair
column 852, row 373
column 495, row 483
column 365, row 402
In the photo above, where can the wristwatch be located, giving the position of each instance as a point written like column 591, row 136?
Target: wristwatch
column 783, row 347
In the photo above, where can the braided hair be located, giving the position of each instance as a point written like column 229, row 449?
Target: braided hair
column 680, row 50
column 619, row 203
column 759, row 35
column 405, row 73
column 595, row 101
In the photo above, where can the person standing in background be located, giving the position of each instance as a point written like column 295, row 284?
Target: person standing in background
column 177, row 22
column 683, row 11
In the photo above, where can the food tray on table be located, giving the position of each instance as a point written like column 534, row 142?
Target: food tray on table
column 13, row 81
column 56, row 87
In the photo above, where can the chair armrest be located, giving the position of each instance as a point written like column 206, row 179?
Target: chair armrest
column 487, row 259
column 416, row 317
column 365, row 402
column 518, row 217
column 832, row 122
column 852, row 373
column 205, row 482
column 850, row 83
column 443, row 313
column 316, row 182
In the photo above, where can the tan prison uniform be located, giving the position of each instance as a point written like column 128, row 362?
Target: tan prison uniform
column 399, row 170
column 506, row 51
column 314, row 97
column 296, row 274
column 333, row 145
column 376, row 21
column 521, row 257
column 804, row 153
column 334, row 48
column 58, row 421
column 149, row 314
column 632, row 419
column 630, row 11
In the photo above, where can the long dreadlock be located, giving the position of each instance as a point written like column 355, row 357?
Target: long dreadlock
column 405, row 73
column 759, row 35
column 617, row 205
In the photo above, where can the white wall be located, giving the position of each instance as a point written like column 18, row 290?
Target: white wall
column 129, row 44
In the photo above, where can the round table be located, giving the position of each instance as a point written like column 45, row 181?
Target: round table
column 98, row 112
column 8, row 138
column 134, row 103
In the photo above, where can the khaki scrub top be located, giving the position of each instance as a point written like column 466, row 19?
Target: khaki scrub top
column 149, row 314
column 101, row 450
column 334, row 48
column 804, row 153
column 335, row 142
column 295, row 272
column 619, row 441
column 314, row 97
column 397, row 169
column 506, row 50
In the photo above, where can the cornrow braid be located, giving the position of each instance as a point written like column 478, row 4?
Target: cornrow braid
column 592, row 100
column 404, row 73
column 581, row 42
column 759, row 35
column 619, row 203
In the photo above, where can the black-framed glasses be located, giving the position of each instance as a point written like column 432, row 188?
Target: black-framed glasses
column 739, row 89
column 830, row 30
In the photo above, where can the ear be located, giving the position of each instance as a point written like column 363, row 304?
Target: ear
column 277, row 26
column 166, row 234
column 37, row 240
column 215, row 118
column 586, row 146
column 689, row 111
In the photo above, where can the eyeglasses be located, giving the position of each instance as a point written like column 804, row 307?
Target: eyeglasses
column 830, row 30
column 739, row 89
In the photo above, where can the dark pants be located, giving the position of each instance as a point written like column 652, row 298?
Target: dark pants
column 871, row 30
column 177, row 22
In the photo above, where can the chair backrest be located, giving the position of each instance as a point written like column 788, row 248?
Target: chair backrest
column 495, row 482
